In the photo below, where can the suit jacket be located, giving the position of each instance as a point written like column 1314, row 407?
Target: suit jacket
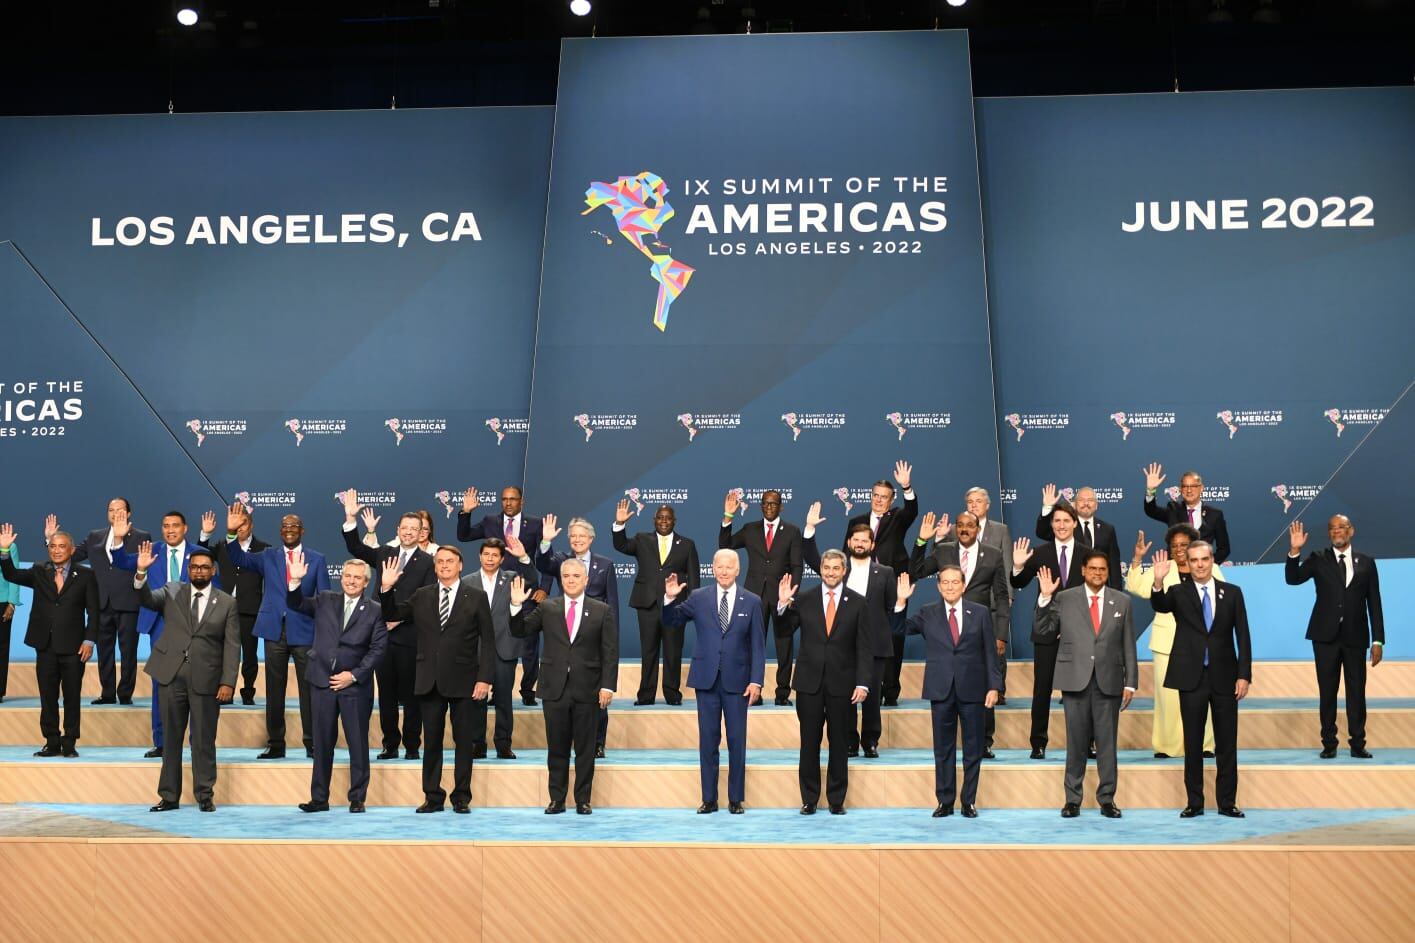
column 58, row 621
column 358, row 647
column 739, row 654
column 452, row 658
column 212, row 648
column 889, row 540
column 579, row 669
column 115, row 589
column 1045, row 556
column 988, row 586
column 838, row 663
column 1340, row 611
column 507, row 644
column 494, row 525
column 1109, row 654
column 969, row 669
column 1139, row 582
column 765, row 567
column 1228, row 645
column 1212, row 527
column 246, row 584
column 648, row 581
column 602, row 584
column 880, row 595
column 1104, row 539
column 416, row 574
column 151, row 621
column 274, row 606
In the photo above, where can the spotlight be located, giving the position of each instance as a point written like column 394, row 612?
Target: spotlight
column 580, row 7
column 956, row 3
column 187, row 16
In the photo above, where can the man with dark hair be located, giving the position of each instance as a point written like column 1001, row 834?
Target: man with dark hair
column 500, row 560
column 246, row 586
column 660, row 554
column 1091, row 531
column 773, row 549
column 889, row 525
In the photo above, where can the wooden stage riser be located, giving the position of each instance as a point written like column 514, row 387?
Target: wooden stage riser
column 1270, row 679
column 767, row 729
column 1001, row 786
column 502, row 893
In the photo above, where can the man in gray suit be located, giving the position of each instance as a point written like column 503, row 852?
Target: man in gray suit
column 500, row 561
column 1095, row 670
column 194, row 664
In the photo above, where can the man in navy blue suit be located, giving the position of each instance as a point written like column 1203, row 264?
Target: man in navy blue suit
column 287, row 633
column 961, row 680
column 528, row 530
column 350, row 639
column 728, row 666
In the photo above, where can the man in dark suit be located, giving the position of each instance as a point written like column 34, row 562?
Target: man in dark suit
column 194, row 661
column 500, row 561
column 1346, row 620
column 1090, row 530
column 961, row 680
column 529, row 531
column 455, row 667
column 1061, row 555
column 875, row 582
column 889, row 526
column 659, row 554
column 832, row 675
column 602, row 583
column 984, row 582
column 773, row 549
column 1211, row 666
column 1096, row 671
column 729, row 662
column 62, row 625
column 1190, row 509
column 350, row 639
column 246, row 586
column 117, row 600
column 396, row 670
column 578, row 675
column 287, row 634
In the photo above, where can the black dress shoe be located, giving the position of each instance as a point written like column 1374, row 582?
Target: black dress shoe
column 555, row 808
column 248, row 700
column 853, row 751
column 206, row 805
column 735, row 808
column 1191, row 811
column 479, row 752
column 970, row 811
column 309, row 753
column 126, row 700
column 1161, row 756
column 1232, row 812
column 313, row 806
column 356, row 806
column 1039, row 753
column 528, row 699
column 890, row 702
column 271, row 753
column 837, row 810
column 808, row 809
column 67, row 750
column 1091, row 753
column 783, row 702
column 583, row 808
column 165, row 806
column 104, row 700
column 429, row 806
column 599, row 753
column 988, row 754
column 872, row 753
column 943, row 811
column 1328, row 753
column 410, row 755
column 1361, row 753
column 1070, row 810
column 707, row 808
column 153, row 754
column 643, row 701
column 47, row 750
column 387, row 755
column 1208, row 754
column 674, row 701
column 461, row 808
column 1110, row 810
column 504, row 753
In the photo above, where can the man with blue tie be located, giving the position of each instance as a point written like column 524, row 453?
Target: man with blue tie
column 729, row 663
column 350, row 639
column 961, row 680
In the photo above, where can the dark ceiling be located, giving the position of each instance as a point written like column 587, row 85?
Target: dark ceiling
column 132, row 56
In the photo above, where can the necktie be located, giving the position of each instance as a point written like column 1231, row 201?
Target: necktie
column 1096, row 614
column 1208, row 621
column 1341, row 562
column 403, row 560
column 769, row 528
column 724, row 615
column 1192, row 519
column 174, row 566
column 289, row 560
column 58, row 579
column 446, row 608
column 196, row 609
column 510, row 528
column 953, row 625
column 348, row 610
column 963, row 563
column 829, row 612
column 662, row 550
column 1063, row 568
column 874, row 526
column 1086, row 537
column 570, row 621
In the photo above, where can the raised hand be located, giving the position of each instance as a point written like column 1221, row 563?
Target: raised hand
column 671, row 586
column 1160, row 564
column 469, row 500
column 902, row 474
column 1050, row 495
column 298, row 567
column 208, row 522
column 121, row 525
column 51, row 527
column 1047, row 584
column 548, row 529
column 622, row 512
column 351, row 504
column 370, row 519
column 928, row 526
column 146, row 558
column 1154, row 476
column 1297, row 537
column 785, row 592
column 730, row 504
column 1021, row 552
column 389, row 577
column 235, row 514
column 1142, row 547
column 520, row 592
column 514, row 548
column 813, row 515
column 7, row 536
column 903, row 588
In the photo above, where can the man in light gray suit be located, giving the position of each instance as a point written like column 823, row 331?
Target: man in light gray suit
column 194, row 664
column 500, row 561
column 1095, row 670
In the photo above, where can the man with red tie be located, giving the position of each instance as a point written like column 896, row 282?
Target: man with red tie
column 773, row 549
column 1191, row 509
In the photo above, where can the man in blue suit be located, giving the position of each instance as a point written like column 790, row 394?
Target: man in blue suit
column 287, row 633
column 170, row 566
column 961, row 680
column 349, row 641
column 729, row 663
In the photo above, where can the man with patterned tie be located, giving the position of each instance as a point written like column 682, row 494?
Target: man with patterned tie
column 773, row 549
column 1190, row 509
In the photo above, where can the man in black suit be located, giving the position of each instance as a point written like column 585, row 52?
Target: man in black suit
column 832, row 676
column 889, row 525
column 1346, row 620
column 396, row 671
column 1091, row 531
column 500, row 561
column 773, row 549
column 1211, row 666
column 1061, row 555
column 1191, row 509
column 247, row 586
column 117, row 600
column 660, row 554
column 876, row 584
column 578, row 675
column 529, row 531
column 62, row 625
column 455, row 667
column 985, row 573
